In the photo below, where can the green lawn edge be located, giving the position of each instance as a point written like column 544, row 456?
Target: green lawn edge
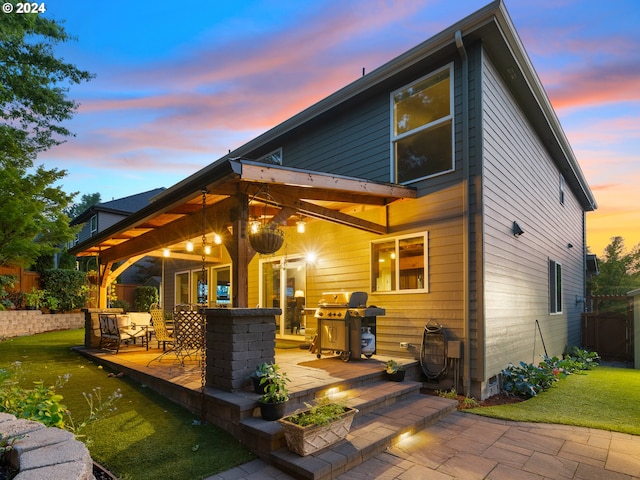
column 146, row 436
column 605, row 398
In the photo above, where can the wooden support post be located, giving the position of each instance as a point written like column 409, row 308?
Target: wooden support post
column 240, row 254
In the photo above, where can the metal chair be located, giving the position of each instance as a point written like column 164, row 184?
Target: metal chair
column 189, row 333
column 161, row 332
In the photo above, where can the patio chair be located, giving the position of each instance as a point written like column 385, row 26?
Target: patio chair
column 116, row 329
column 189, row 333
column 162, row 333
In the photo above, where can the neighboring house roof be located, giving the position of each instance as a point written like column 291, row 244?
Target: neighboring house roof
column 124, row 206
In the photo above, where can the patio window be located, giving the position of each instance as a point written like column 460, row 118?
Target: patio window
column 182, row 288
column 399, row 264
column 555, row 287
column 93, row 223
column 422, row 133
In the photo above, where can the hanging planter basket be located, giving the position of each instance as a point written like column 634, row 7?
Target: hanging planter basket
column 267, row 240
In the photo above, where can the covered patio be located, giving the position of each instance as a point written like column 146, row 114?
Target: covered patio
column 221, row 205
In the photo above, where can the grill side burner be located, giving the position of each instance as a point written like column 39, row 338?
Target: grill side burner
column 340, row 318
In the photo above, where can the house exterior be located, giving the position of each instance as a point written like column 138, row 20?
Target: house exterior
column 441, row 184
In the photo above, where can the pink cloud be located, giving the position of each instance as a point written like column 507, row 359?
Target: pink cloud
column 597, row 86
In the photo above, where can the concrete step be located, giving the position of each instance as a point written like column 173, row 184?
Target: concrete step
column 371, row 433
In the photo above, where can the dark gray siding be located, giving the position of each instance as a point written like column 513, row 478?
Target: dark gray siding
column 354, row 143
column 521, row 183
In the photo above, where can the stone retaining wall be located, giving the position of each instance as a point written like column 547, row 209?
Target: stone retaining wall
column 40, row 452
column 15, row 323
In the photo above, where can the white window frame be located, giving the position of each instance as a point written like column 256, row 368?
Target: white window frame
column 273, row 158
column 93, row 224
column 555, row 290
column 425, row 275
column 428, row 126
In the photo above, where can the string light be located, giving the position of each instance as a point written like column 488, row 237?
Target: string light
column 189, row 246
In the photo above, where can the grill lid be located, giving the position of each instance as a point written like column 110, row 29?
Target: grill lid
column 343, row 299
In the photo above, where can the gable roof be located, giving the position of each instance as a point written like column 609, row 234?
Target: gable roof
column 491, row 25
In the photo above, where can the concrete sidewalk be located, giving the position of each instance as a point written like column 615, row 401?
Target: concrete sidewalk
column 466, row 446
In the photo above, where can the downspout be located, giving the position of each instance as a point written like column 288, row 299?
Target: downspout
column 466, row 320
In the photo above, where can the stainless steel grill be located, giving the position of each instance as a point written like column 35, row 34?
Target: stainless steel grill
column 340, row 319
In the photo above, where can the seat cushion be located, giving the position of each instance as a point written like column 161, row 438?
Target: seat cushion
column 123, row 321
column 140, row 318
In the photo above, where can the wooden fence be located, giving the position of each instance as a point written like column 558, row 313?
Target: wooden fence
column 608, row 327
column 25, row 281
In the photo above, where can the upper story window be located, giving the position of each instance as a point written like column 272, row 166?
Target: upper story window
column 555, row 287
column 274, row 157
column 399, row 264
column 561, row 190
column 422, row 134
column 94, row 224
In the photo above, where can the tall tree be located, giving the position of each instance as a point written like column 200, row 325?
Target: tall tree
column 88, row 200
column 619, row 270
column 33, row 105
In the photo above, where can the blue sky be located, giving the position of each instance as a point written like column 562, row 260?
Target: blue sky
column 178, row 84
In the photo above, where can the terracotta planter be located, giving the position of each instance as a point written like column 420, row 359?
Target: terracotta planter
column 312, row 438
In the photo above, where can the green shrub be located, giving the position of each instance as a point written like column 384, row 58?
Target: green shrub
column 40, row 403
column 66, row 286
column 583, row 359
column 123, row 304
column 145, row 297
column 6, row 281
column 528, row 380
column 43, row 404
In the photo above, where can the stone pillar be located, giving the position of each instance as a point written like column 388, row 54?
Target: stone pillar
column 238, row 339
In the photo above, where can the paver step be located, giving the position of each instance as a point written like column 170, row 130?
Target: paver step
column 264, row 437
column 371, row 433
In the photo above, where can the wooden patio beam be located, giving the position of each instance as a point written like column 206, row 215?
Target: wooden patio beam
column 187, row 227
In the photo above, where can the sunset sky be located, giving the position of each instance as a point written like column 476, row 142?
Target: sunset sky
column 179, row 84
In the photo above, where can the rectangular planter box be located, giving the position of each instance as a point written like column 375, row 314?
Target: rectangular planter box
column 312, row 438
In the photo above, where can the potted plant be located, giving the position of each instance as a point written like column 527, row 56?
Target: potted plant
column 275, row 397
column 317, row 427
column 34, row 298
column 261, row 371
column 394, row 371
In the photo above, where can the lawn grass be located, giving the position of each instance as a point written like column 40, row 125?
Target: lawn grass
column 605, row 398
column 147, row 436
